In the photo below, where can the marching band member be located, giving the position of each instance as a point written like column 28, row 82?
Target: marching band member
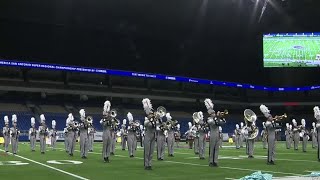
column 15, row 132
column 141, row 135
column 237, row 133
column 177, row 135
column 91, row 138
column 195, row 130
column 314, row 135
column 171, row 130
column 84, row 125
column 214, row 121
column 65, row 132
column 109, row 123
column 271, row 126
column 124, row 134
column 220, row 136
column 317, row 117
column 190, row 134
column 264, row 135
column 251, row 131
column 296, row 136
column 242, row 134
column 132, row 135
column 291, row 135
column 304, row 134
column 53, row 134
column 203, row 130
column 72, row 130
column 43, row 133
column 150, row 131
column 288, row 134
column 32, row 134
column 6, row 133
column 113, row 141
column 161, row 139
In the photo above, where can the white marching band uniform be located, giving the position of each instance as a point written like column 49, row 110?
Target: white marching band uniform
column 296, row 136
column 14, row 132
column 53, row 135
column 124, row 134
column 33, row 134
column 43, row 133
column 317, row 117
column 314, row 135
column 6, row 133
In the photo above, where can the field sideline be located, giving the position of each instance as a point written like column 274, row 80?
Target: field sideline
column 233, row 164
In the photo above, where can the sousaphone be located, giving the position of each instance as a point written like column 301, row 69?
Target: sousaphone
column 250, row 118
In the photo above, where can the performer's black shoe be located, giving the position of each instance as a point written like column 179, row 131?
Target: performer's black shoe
column 106, row 160
column 215, row 164
column 131, row 156
column 211, row 164
column 14, row 153
column 202, row 158
column 67, row 151
column 112, row 153
column 250, row 157
column 196, row 153
column 33, row 150
column 42, row 152
column 91, row 151
column 7, row 151
column 123, row 149
column 71, row 154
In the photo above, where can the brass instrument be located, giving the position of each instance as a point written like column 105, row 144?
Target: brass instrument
column 250, row 118
column 89, row 120
column 222, row 114
column 277, row 118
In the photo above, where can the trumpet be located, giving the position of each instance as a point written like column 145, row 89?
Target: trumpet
column 222, row 114
column 277, row 118
column 89, row 120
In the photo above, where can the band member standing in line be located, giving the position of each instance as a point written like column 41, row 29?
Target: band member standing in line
column 296, row 136
column 124, row 134
column 43, row 133
column 32, row 134
column 314, row 135
column 15, row 132
column 271, row 126
column 6, row 133
column 237, row 133
column 288, row 134
column 214, row 121
column 177, row 135
column 53, row 134
column 150, row 133
column 92, row 131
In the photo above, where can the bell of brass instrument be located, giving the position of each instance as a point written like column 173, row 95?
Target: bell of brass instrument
column 113, row 113
column 250, row 118
column 161, row 112
column 89, row 120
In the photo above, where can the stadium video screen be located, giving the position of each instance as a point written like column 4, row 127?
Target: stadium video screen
column 291, row 50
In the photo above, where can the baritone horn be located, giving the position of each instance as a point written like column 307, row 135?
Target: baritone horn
column 222, row 114
column 161, row 111
column 250, row 119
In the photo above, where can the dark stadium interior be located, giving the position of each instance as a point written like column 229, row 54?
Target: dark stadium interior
column 218, row 40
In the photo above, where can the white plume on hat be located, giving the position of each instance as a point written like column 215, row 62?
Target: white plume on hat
column 294, row 121
column 141, row 126
column 178, row 126
column 107, row 106
column 168, row 116
column 130, row 117
column 264, row 124
column 82, row 113
column 70, row 117
column 208, row 103
column 200, row 114
column 14, row 118
column 67, row 121
column 290, row 126
column 237, row 126
column 264, row 109
column 220, row 128
column 190, row 125
column 313, row 124
column 147, row 106
column 287, row 125
column 33, row 121
column 6, row 120
column 42, row 118
column 53, row 123
column 303, row 122
column 316, row 111
column 124, row 121
column 241, row 124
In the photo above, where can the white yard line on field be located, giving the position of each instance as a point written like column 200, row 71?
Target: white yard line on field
column 192, row 164
column 50, row 167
